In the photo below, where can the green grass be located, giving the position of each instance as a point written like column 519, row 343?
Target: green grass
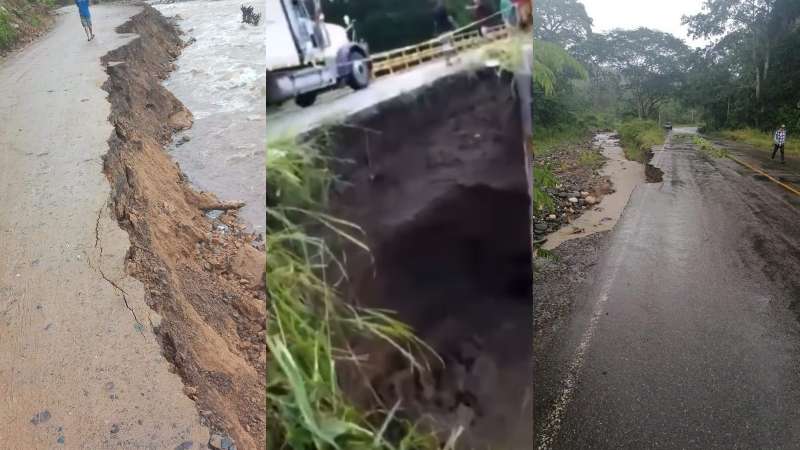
column 638, row 137
column 26, row 14
column 545, row 140
column 543, row 178
column 759, row 139
column 7, row 32
column 590, row 159
column 708, row 148
column 309, row 327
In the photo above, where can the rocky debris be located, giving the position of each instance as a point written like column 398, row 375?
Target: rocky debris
column 569, row 204
column 221, row 442
column 41, row 417
column 580, row 187
column 184, row 139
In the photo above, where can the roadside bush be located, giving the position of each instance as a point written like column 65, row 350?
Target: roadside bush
column 638, row 137
column 309, row 326
column 759, row 139
column 708, row 148
column 590, row 159
column 7, row 32
column 543, row 178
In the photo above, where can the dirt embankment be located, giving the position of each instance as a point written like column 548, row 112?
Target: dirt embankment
column 438, row 184
column 22, row 21
column 204, row 278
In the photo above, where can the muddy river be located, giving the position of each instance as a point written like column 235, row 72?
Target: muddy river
column 220, row 77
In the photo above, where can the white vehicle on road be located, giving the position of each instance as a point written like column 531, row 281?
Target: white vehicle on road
column 306, row 56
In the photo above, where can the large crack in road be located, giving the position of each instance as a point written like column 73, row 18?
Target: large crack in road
column 72, row 356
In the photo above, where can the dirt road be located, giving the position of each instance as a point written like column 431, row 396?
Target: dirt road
column 79, row 364
column 685, row 333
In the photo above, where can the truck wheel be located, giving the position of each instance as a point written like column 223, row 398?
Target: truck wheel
column 306, row 100
column 359, row 73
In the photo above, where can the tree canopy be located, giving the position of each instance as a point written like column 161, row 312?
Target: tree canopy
column 564, row 22
column 389, row 24
column 651, row 64
column 748, row 75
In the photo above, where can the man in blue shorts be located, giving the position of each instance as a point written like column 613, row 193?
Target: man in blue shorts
column 86, row 18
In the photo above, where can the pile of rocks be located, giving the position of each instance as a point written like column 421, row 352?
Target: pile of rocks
column 569, row 201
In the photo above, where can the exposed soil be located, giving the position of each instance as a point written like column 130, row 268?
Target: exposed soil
column 652, row 173
column 438, row 184
column 204, row 277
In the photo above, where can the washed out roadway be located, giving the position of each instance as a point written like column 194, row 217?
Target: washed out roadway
column 79, row 365
column 686, row 338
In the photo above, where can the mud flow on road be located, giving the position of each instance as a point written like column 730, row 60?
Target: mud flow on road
column 203, row 278
column 436, row 178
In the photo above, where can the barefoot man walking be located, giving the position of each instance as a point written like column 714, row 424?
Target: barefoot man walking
column 86, row 18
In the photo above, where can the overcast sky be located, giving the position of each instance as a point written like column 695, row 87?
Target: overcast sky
column 662, row 15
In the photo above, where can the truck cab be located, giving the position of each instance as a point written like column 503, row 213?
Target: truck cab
column 306, row 56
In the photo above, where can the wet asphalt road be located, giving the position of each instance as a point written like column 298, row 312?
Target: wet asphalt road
column 686, row 338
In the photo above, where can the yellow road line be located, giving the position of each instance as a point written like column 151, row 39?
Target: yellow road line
column 770, row 177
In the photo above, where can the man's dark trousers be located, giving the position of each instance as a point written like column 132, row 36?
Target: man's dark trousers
column 775, row 150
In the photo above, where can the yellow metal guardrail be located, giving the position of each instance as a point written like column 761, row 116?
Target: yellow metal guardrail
column 400, row 59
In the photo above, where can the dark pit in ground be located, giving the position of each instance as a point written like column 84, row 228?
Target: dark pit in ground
column 437, row 181
column 652, row 174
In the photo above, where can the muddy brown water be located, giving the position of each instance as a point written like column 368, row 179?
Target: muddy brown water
column 437, row 181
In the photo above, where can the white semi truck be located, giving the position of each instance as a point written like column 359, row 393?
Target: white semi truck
column 306, row 56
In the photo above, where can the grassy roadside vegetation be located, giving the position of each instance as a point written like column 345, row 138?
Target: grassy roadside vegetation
column 758, row 139
column 309, row 327
column 638, row 137
column 20, row 20
column 708, row 148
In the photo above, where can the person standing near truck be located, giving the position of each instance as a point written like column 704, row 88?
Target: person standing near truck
column 780, row 142
column 444, row 24
column 481, row 11
column 508, row 10
column 86, row 18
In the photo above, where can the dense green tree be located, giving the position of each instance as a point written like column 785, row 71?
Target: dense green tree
column 564, row 22
column 650, row 64
column 389, row 24
column 749, row 20
column 554, row 74
column 748, row 76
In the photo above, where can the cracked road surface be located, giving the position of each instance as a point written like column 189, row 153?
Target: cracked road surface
column 687, row 336
column 79, row 365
